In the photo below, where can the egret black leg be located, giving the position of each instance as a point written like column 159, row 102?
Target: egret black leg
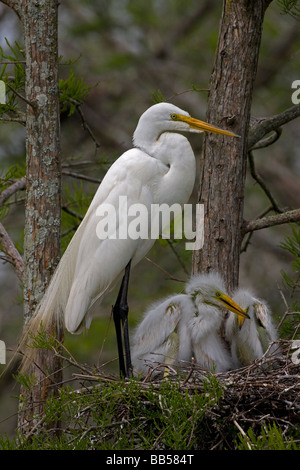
column 120, row 315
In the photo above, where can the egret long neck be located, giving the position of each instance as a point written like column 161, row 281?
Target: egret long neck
column 174, row 151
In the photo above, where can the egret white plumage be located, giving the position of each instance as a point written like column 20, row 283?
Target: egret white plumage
column 249, row 340
column 185, row 326
column 161, row 337
column 159, row 169
column 209, row 296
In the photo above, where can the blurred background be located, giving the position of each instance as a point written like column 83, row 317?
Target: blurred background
column 130, row 53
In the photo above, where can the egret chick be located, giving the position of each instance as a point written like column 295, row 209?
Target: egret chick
column 209, row 296
column 249, row 340
column 185, row 326
column 161, row 337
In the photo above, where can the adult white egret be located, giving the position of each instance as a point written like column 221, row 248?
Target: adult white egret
column 185, row 326
column 159, row 169
column 249, row 340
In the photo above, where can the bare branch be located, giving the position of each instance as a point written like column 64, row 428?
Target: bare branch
column 87, row 127
column 10, row 250
column 270, row 221
column 12, row 62
column 270, row 124
column 270, row 140
column 80, row 176
column 8, row 192
column 33, row 105
column 9, row 119
column 69, row 211
column 262, row 184
column 14, row 4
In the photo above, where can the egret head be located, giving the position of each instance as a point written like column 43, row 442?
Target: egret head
column 257, row 309
column 165, row 117
column 210, row 289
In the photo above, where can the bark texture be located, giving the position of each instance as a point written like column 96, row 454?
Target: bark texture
column 43, row 186
column 224, row 158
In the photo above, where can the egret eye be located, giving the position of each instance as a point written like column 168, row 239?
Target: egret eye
column 173, row 117
column 217, row 294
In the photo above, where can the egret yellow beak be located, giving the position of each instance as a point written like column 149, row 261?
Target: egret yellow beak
column 204, row 126
column 230, row 304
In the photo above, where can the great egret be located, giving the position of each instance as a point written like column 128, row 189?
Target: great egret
column 186, row 325
column 159, row 169
column 249, row 340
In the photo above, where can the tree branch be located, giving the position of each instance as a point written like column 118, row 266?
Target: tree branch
column 270, row 221
column 14, row 4
column 270, row 124
column 10, row 250
column 8, row 192
column 261, row 183
column 19, row 120
column 33, row 105
column 73, row 174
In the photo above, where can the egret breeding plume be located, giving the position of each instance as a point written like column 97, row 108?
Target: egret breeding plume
column 185, row 326
column 249, row 340
column 159, row 169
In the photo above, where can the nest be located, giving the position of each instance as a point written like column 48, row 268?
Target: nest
column 265, row 392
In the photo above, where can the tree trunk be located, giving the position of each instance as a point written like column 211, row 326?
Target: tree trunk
column 42, row 217
column 222, row 177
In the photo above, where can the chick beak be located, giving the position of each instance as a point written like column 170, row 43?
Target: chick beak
column 231, row 305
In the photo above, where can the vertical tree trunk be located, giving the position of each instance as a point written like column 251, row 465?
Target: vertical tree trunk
column 42, row 217
column 223, row 170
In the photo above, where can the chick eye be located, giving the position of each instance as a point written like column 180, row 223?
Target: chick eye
column 173, row 117
column 217, row 294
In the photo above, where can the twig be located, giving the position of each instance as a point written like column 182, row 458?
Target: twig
column 19, row 120
column 11, row 251
column 33, row 105
column 80, row 176
column 16, row 5
column 243, row 433
column 164, row 271
column 190, row 372
column 69, row 211
column 270, row 124
column 177, row 256
column 261, row 183
column 18, row 185
column 87, row 127
column 266, row 142
column 247, row 242
column 12, row 62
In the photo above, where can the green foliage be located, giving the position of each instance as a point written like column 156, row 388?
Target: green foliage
column 290, row 7
column 76, row 200
column 292, row 245
column 14, row 56
column 13, row 173
column 41, row 340
column 122, row 416
column 25, row 380
column 73, row 92
column 269, row 438
column 158, row 97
